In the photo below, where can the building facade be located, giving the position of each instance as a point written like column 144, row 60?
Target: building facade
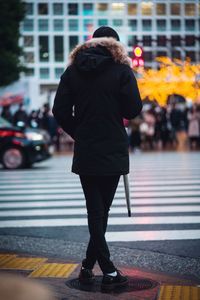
column 53, row 28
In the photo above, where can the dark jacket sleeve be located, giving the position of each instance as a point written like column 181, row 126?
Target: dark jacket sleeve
column 131, row 103
column 63, row 105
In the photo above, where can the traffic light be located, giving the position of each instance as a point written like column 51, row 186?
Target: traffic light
column 138, row 60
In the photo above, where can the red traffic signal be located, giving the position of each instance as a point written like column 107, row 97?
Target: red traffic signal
column 138, row 62
column 141, row 62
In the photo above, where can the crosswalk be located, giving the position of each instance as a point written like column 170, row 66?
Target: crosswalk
column 164, row 188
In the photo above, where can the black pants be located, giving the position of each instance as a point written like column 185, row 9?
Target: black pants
column 99, row 193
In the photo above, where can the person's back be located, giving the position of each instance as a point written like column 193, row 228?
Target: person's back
column 102, row 86
column 95, row 93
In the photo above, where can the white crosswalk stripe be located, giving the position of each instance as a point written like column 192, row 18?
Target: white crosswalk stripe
column 74, row 188
column 82, row 211
column 164, row 188
column 118, row 202
column 153, row 235
column 112, row 221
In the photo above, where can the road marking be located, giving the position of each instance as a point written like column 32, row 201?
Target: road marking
column 78, row 196
column 37, row 265
column 74, row 182
column 142, row 165
column 53, row 197
column 148, row 166
column 23, row 263
column 54, row 270
column 138, row 180
column 161, row 235
column 174, row 292
column 5, row 258
column 70, row 203
column 167, row 185
column 112, row 221
column 82, row 211
column 151, row 191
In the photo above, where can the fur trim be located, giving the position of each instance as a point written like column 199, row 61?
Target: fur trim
column 116, row 49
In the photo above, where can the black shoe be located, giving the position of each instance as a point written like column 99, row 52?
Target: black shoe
column 86, row 276
column 112, row 282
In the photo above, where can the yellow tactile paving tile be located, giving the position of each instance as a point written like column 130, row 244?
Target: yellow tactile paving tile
column 5, row 258
column 54, row 270
column 173, row 292
column 23, row 263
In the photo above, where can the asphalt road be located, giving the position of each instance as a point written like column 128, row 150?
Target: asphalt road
column 47, row 202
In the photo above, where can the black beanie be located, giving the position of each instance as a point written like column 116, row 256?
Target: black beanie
column 105, row 31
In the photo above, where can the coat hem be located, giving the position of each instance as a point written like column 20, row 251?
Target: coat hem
column 100, row 174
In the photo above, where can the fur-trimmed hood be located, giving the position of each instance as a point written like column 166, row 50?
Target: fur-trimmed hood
column 96, row 53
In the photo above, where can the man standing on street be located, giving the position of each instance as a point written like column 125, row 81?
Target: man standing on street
column 97, row 90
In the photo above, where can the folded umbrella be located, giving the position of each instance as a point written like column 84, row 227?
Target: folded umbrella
column 127, row 193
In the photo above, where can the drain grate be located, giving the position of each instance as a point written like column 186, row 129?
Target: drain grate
column 135, row 284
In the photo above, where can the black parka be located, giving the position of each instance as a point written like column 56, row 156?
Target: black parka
column 98, row 90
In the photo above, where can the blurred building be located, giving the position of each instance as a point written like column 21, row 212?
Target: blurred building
column 52, row 28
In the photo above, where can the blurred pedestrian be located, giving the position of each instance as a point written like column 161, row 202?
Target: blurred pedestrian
column 48, row 123
column 135, row 135
column 98, row 90
column 33, row 120
column 194, row 127
column 178, row 118
column 20, row 117
column 44, row 117
column 161, row 128
column 149, row 121
column 6, row 113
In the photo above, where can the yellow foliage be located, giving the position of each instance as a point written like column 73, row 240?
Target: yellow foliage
column 172, row 77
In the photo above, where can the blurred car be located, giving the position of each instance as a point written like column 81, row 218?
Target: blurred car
column 21, row 147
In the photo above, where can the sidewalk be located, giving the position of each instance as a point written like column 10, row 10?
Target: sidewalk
column 60, row 275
